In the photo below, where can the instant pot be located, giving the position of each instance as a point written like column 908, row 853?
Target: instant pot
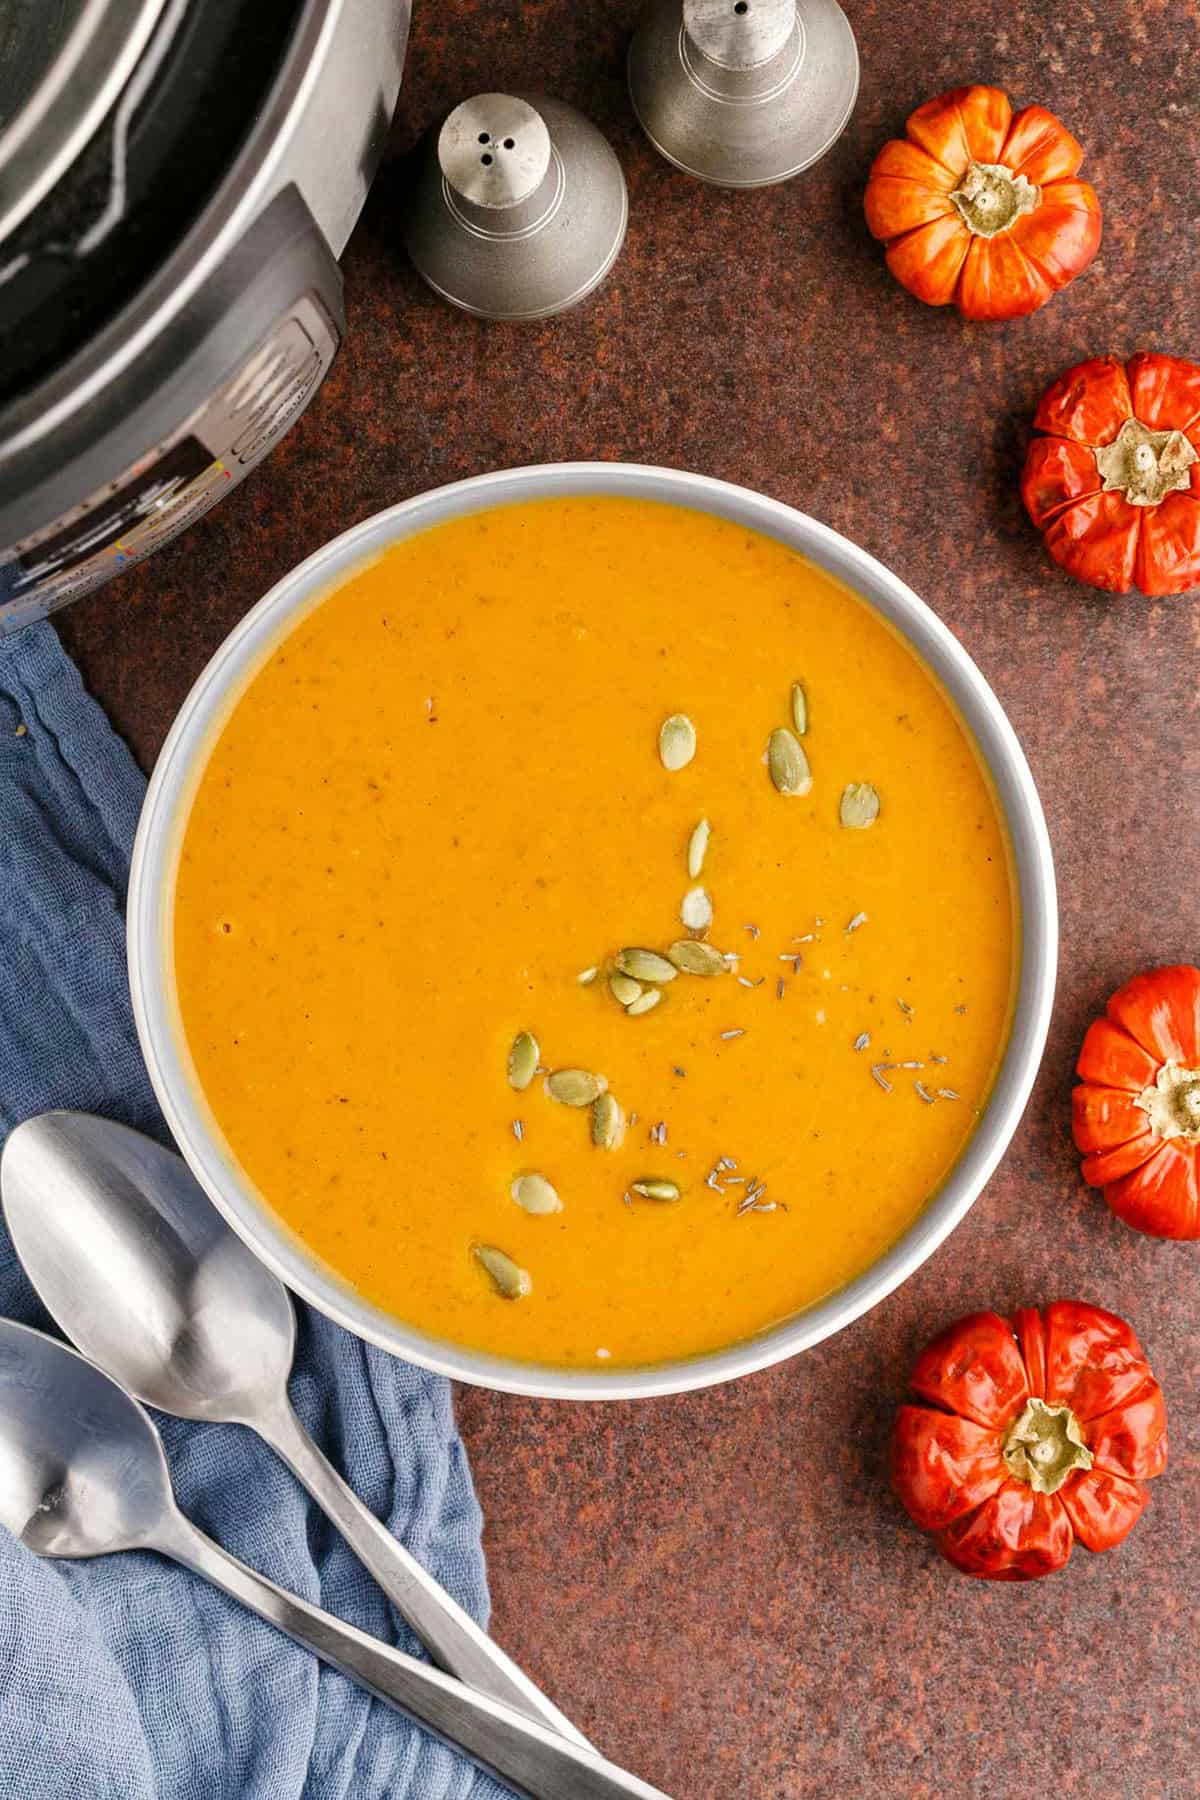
column 177, row 180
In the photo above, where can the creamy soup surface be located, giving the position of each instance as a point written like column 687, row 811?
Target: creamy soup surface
column 441, row 801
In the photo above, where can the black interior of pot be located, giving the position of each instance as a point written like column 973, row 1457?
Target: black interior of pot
column 130, row 196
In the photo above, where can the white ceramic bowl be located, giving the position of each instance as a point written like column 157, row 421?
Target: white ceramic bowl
column 164, row 816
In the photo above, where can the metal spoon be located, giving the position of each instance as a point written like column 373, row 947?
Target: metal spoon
column 142, row 1273
column 82, row 1472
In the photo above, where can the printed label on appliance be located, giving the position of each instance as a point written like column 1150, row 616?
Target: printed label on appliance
column 179, row 480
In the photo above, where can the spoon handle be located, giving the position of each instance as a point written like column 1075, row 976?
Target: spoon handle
column 535, row 1759
column 448, row 1632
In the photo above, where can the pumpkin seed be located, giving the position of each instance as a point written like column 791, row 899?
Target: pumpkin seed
column 677, row 742
column 697, row 909
column 697, row 849
column 534, row 1194
column 575, row 1087
column 522, row 1060
column 624, row 988
column 508, row 1278
column 586, row 977
column 644, row 965
column 651, row 1188
column 787, row 763
column 644, row 1003
column 695, row 958
column 859, row 806
column 799, row 709
column 608, row 1122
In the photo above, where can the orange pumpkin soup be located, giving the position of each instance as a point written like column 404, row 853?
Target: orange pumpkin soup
column 526, row 1052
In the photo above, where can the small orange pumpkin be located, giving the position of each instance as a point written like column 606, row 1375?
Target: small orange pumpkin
column 981, row 208
column 1114, row 484
column 1137, row 1110
column 1038, row 1431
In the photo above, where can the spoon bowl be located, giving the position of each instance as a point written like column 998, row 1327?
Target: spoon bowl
column 82, row 1470
column 145, row 1275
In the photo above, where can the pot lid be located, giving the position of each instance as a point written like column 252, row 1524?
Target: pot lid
column 62, row 65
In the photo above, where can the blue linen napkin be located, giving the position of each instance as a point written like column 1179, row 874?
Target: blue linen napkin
column 127, row 1678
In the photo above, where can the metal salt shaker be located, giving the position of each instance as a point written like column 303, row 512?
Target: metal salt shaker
column 519, row 207
column 743, row 93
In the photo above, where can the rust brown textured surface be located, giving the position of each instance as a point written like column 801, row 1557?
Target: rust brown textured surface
column 719, row 1587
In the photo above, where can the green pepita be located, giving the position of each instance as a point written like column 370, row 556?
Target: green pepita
column 697, row 909
column 625, row 990
column 859, row 805
column 645, row 1002
column 608, row 1122
column 695, row 958
column 534, row 1194
column 787, row 763
column 651, row 1188
column 522, row 1060
column 508, row 1278
column 677, row 742
column 697, row 849
column 644, row 965
column 799, row 709
column 575, row 1087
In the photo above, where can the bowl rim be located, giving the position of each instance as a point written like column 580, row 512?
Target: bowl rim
column 151, row 886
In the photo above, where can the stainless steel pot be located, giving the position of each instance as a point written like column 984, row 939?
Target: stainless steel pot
column 165, row 814
column 177, row 180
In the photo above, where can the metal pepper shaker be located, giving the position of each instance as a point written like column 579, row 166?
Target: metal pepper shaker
column 518, row 208
column 743, row 93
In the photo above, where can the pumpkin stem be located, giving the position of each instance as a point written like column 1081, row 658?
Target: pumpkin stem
column 1145, row 465
column 991, row 198
column 1044, row 1446
column 1172, row 1105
